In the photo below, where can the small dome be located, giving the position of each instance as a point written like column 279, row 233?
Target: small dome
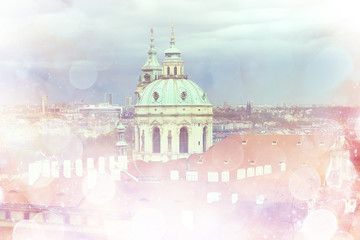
column 120, row 126
column 180, row 92
column 172, row 50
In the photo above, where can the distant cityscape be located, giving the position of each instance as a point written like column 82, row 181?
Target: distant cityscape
column 170, row 165
column 94, row 134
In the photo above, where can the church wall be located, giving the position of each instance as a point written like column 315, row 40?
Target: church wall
column 170, row 119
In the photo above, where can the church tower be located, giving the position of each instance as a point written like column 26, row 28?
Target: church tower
column 173, row 65
column 151, row 69
column 173, row 114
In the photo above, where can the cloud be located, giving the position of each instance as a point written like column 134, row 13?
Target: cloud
column 254, row 49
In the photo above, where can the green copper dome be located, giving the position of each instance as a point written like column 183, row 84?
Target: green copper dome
column 169, row 92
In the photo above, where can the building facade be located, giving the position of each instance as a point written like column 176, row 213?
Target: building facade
column 173, row 114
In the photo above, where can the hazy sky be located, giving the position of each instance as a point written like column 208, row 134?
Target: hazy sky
column 266, row 51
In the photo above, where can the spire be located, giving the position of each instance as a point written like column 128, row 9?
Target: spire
column 172, row 38
column 152, row 45
column 152, row 62
column 172, row 51
column 151, row 69
column 152, row 49
column 173, row 65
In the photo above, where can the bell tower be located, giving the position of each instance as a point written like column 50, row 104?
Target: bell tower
column 151, row 69
column 173, row 65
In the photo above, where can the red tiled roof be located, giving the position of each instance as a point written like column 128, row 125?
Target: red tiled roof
column 243, row 151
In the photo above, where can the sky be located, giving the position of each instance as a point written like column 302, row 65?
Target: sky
column 264, row 51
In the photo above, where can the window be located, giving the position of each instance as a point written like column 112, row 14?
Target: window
column 259, row 171
column 241, row 173
column 213, row 177
column 147, row 77
column 156, row 140
column 204, row 139
column 282, row 166
column 175, row 71
column 183, row 95
column 250, row 172
column 168, row 70
column 183, row 140
column 174, row 175
column 67, row 168
column 267, row 169
column 55, row 169
column 156, row 96
column 213, row 197
column 234, row 198
column 225, row 176
column 192, row 176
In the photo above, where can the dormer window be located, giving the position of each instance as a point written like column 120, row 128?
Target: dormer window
column 244, row 142
column 156, row 96
column 183, row 95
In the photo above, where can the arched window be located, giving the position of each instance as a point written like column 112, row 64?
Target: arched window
column 204, row 139
column 175, row 71
column 168, row 70
column 156, row 140
column 183, row 140
column 147, row 77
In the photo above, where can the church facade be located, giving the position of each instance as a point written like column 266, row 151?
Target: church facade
column 173, row 114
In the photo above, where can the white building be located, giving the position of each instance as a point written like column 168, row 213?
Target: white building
column 173, row 114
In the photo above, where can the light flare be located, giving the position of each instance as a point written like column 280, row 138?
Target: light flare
column 341, row 235
column 83, row 74
column 28, row 230
column 319, row 224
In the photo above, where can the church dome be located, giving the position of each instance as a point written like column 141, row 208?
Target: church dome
column 169, row 92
